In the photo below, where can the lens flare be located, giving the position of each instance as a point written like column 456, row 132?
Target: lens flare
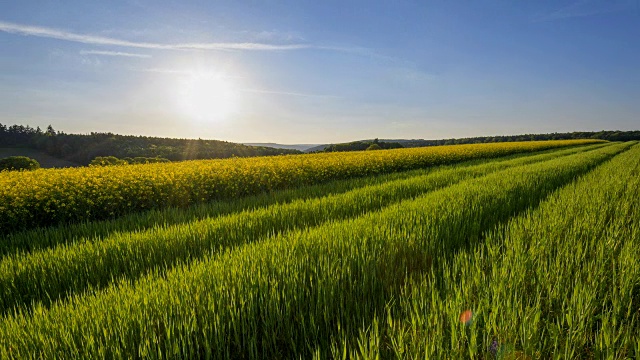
column 466, row 317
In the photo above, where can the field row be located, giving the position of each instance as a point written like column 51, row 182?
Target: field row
column 298, row 291
column 62, row 196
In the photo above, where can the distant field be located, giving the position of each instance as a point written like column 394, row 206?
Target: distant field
column 46, row 161
column 495, row 251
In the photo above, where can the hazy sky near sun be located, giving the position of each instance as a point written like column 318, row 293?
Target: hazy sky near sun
column 320, row 71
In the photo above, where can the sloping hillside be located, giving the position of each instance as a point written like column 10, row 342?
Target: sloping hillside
column 83, row 148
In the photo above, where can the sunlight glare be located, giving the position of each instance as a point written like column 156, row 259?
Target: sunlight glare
column 207, row 97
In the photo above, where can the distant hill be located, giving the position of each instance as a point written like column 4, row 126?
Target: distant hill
column 81, row 149
column 317, row 148
column 299, row 147
column 45, row 160
column 615, row 135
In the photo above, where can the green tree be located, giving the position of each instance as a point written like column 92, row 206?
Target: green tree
column 107, row 161
column 18, row 163
column 50, row 131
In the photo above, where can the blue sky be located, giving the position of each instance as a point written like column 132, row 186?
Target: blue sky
column 320, row 71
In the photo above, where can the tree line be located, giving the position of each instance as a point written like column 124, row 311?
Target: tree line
column 82, row 149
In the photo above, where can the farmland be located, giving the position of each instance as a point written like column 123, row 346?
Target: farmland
column 505, row 250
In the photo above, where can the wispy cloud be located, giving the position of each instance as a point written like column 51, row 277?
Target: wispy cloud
column 113, row 53
column 52, row 33
column 276, row 35
column 585, row 8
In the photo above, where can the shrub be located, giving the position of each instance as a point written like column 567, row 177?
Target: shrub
column 107, row 161
column 18, row 163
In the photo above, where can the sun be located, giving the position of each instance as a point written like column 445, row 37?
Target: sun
column 207, row 97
